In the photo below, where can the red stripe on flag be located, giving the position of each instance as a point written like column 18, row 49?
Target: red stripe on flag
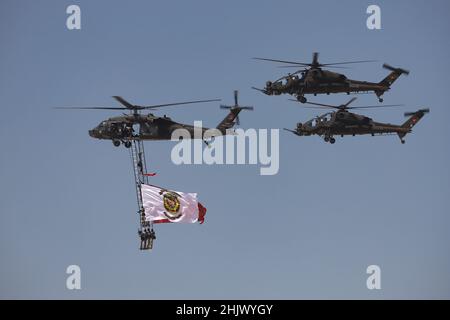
column 162, row 221
column 150, row 174
column 201, row 213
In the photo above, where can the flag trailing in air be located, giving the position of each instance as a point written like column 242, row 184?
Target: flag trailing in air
column 151, row 174
column 162, row 205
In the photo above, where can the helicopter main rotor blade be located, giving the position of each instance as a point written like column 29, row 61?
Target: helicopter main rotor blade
column 176, row 104
column 132, row 107
column 235, row 97
column 321, row 105
column 328, row 67
column 283, row 61
column 293, row 66
column 327, row 106
column 92, row 108
column 336, row 67
column 350, row 101
column 238, row 107
column 318, row 104
column 347, row 62
column 314, row 64
column 124, row 102
column 375, row 107
column 315, row 107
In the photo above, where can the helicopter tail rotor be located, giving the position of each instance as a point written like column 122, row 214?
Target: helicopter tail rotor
column 234, row 112
column 413, row 119
column 233, row 117
column 420, row 111
column 398, row 70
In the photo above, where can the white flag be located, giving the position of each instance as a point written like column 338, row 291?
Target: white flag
column 162, row 205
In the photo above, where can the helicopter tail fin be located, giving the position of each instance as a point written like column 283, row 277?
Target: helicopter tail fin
column 413, row 119
column 391, row 77
column 232, row 117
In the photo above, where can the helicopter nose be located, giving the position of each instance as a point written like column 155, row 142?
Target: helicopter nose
column 92, row 133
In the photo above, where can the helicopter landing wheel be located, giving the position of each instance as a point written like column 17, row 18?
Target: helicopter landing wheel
column 326, row 139
column 116, row 143
column 332, row 140
column 302, row 99
column 403, row 141
column 127, row 144
column 380, row 99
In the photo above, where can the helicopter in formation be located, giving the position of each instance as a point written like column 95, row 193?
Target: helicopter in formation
column 136, row 126
column 342, row 122
column 315, row 80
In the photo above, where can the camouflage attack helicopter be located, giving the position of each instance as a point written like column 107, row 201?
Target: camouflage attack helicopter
column 136, row 126
column 342, row 122
column 315, row 80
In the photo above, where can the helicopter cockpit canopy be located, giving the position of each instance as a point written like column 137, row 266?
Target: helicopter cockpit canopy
column 313, row 123
column 103, row 124
column 101, row 127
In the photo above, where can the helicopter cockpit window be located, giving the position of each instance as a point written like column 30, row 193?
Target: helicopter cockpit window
column 310, row 123
column 326, row 117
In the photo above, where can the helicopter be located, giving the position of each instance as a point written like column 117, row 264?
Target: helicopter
column 342, row 122
column 315, row 80
column 136, row 126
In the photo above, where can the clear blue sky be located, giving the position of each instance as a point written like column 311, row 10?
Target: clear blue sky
column 308, row 232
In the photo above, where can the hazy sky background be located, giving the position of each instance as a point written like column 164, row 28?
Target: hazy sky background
column 308, row 232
